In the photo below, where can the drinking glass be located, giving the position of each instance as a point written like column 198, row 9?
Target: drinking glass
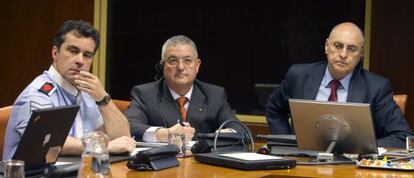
column 410, row 144
column 14, row 169
column 178, row 140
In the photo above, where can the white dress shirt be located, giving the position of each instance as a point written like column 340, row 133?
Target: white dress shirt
column 325, row 88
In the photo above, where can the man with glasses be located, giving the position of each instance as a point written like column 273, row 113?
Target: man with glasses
column 177, row 103
column 343, row 71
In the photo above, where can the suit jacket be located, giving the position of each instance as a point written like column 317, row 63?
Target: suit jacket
column 153, row 105
column 302, row 81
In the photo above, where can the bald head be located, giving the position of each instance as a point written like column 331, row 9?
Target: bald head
column 344, row 49
column 350, row 30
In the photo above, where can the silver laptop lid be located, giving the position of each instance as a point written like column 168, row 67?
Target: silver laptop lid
column 317, row 123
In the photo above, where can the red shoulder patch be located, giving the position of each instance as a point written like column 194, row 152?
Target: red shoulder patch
column 47, row 88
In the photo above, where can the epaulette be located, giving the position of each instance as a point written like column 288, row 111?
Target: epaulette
column 47, row 88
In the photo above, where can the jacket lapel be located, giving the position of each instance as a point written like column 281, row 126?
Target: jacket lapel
column 313, row 81
column 167, row 105
column 196, row 109
column 357, row 88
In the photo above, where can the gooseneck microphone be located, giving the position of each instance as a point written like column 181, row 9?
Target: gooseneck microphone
column 246, row 131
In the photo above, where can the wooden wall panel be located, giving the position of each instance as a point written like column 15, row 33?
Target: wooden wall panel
column 27, row 33
column 392, row 43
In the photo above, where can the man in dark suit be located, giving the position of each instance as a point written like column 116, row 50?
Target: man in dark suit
column 155, row 110
column 344, row 50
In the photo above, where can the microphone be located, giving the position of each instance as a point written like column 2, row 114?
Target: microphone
column 246, row 131
column 159, row 68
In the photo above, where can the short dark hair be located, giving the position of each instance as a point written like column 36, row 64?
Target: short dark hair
column 80, row 28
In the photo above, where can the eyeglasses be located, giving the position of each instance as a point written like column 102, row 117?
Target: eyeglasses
column 350, row 49
column 175, row 61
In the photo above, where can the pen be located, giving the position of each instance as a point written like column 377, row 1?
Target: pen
column 180, row 122
column 135, row 142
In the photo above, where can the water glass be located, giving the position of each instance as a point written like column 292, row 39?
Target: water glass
column 178, row 140
column 14, row 169
column 95, row 156
column 410, row 144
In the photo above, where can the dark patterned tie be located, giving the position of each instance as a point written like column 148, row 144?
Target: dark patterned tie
column 181, row 102
column 334, row 86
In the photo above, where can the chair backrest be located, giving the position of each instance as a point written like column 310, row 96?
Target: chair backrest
column 401, row 101
column 121, row 104
column 4, row 119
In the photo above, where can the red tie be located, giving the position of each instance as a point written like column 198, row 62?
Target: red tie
column 181, row 102
column 334, row 86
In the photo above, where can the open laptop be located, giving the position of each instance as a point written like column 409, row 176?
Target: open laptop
column 44, row 137
column 317, row 123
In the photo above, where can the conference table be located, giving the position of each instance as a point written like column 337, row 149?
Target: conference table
column 189, row 168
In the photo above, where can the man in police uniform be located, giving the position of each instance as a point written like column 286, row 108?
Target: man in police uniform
column 68, row 82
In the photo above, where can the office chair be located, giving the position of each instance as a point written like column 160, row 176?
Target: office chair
column 4, row 119
column 401, row 100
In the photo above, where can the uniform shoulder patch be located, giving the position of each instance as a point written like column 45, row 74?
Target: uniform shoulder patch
column 47, row 88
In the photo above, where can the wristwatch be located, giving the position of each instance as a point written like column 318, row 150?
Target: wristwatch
column 105, row 100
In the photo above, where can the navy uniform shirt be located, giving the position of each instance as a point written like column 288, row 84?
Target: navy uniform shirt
column 46, row 91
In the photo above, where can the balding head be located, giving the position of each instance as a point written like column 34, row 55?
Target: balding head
column 344, row 49
column 350, row 30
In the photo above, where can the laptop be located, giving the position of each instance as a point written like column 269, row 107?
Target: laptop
column 245, row 161
column 44, row 137
column 317, row 123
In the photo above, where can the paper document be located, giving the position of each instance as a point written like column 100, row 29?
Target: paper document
column 190, row 144
column 150, row 144
column 141, row 146
column 137, row 150
column 63, row 163
column 381, row 150
column 157, row 144
column 250, row 156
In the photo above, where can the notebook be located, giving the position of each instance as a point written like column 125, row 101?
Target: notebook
column 245, row 161
column 44, row 137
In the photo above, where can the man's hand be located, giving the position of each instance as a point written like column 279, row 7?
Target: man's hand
column 188, row 131
column 122, row 144
column 90, row 84
column 162, row 134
